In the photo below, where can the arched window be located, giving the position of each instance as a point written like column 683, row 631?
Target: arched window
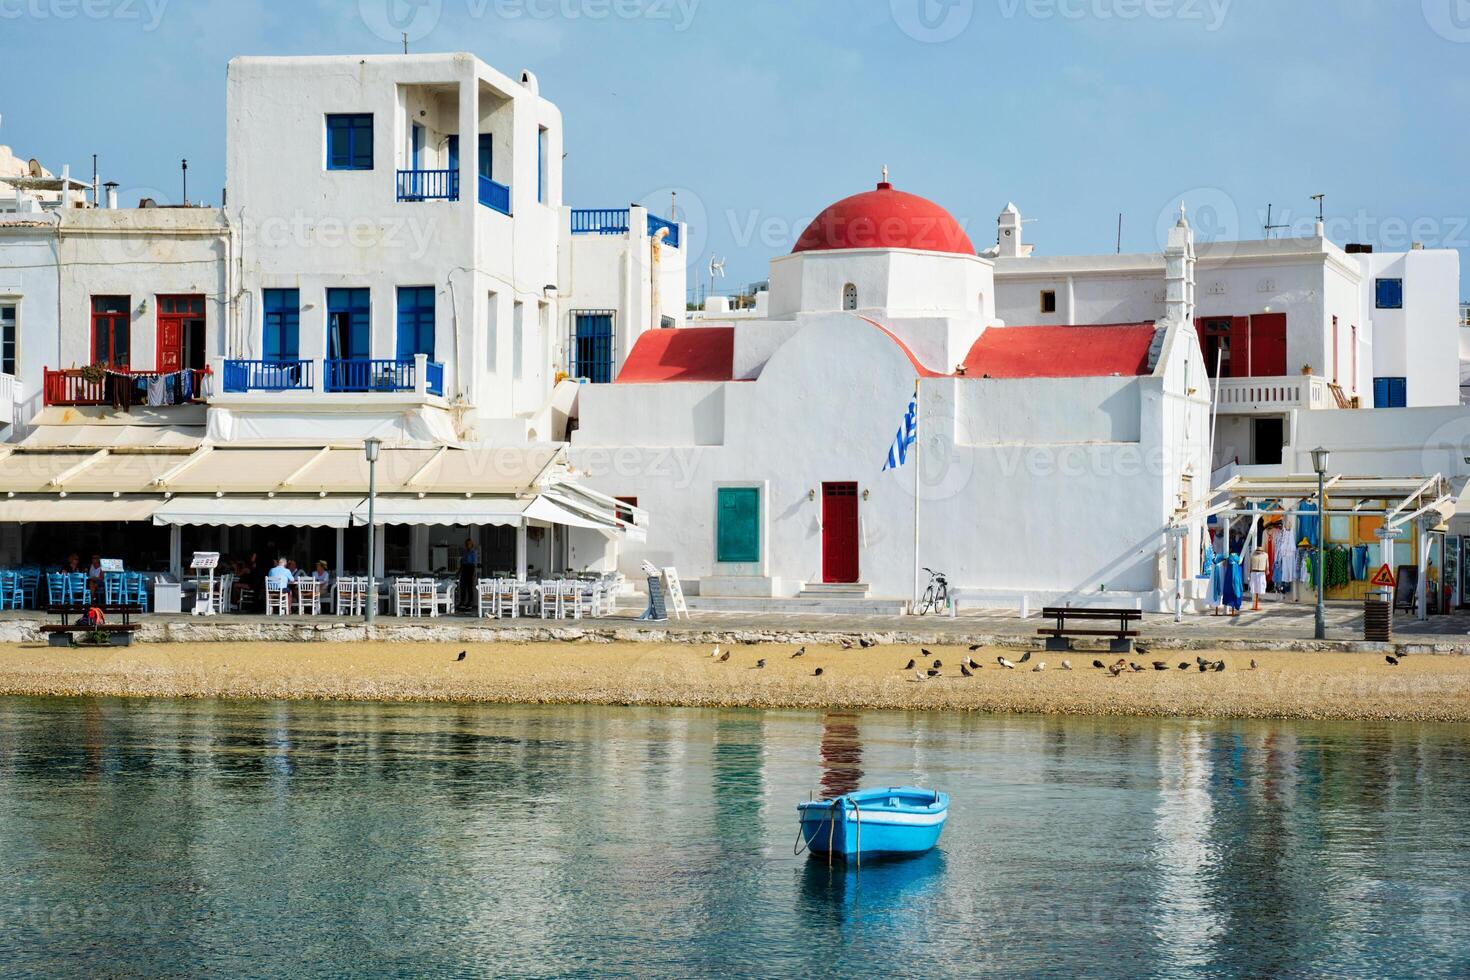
column 849, row 297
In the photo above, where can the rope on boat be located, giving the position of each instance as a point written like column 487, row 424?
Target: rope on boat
column 859, row 812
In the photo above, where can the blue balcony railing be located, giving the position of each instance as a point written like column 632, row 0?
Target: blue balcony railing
column 655, row 223
column 241, row 376
column 599, row 221
column 367, row 375
column 494, row 196
column 428, row 185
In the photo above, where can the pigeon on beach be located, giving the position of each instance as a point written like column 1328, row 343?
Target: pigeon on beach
column 1098, row 664
column 1005, row 663
column 759, row 664
column 965, row 669
column 801, row 652
column 1024, row 657
column 1039, row 667
column 817, row 672
column 911, row 664
column 938, row 663
column 462, row 655
column 1392, row 660
column 845, row 644
column 1066, row 665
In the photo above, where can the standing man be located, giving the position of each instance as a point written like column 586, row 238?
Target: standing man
column 469, row 574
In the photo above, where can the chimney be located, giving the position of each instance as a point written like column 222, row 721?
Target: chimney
column 111, row 188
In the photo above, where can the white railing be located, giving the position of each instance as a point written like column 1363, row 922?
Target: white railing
column 9, row 388
column 1251, row 395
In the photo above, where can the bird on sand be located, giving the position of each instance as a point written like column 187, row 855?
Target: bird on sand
column 1098, row 664
column 1219, row 666
column 1005, row 663
column 1115, row 670
column 759, row 664
column 932, row 672
column 1141, row 648
column 724, row 657
column 1200, row 661
column 817, row 672
column 1203, row 668
column 864, row 643
column 1160, row 665
column 938, row 663
column 974, row 647
column 1024, row 657
column 1184, row 666
column 920, row 676
column 801, row 652
column 1253, row 665
column 1066, row 665
column 715, row 653
column 462, row 655
column 845, row 644
column 1134, row 667
column 911, row 664
column 965, row 669
column 925, row 653
column 1392, row 660
column 1039, row 667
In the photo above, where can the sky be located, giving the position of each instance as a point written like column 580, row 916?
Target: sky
column 761, row 112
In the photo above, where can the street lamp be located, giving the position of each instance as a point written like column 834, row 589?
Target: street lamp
column 1320, row 458
column 370, row 448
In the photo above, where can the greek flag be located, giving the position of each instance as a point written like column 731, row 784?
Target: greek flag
column 907, row 435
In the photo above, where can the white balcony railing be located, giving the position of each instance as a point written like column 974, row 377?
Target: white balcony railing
column 1248, row 396
column 9, row 388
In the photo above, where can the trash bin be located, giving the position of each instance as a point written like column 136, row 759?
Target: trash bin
column 1378, row 617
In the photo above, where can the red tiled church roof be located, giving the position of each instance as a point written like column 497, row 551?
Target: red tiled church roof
column 885, row 218
column 1061, row 352
column 685, row 354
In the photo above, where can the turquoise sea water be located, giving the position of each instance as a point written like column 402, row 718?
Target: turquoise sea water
column 185, row 838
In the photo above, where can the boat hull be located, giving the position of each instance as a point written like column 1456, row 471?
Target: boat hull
column 853, row 826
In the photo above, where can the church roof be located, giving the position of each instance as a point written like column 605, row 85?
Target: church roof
column 1062, row 352
column 684, row 354
column 885, row 218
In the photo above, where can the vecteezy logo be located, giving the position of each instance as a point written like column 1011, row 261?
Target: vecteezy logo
column 391, row 20
column 1450, row 19
column 1211, row 212
column 932, row 21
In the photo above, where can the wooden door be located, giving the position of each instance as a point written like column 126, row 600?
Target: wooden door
column 840, row 532
column 175, row 316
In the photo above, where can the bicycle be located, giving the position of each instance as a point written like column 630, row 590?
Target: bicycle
column 936, row 594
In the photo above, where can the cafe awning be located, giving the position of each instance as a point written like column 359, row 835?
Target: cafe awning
column 238, row 510
column 444, row 511
column 55, row 509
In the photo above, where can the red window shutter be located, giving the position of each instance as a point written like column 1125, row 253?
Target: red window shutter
column 1268, row 345
column 1240, row 347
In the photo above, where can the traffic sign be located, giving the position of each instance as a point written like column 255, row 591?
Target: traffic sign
column 1384, row 578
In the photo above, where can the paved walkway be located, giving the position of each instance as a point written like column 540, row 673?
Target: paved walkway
column 1276, row 627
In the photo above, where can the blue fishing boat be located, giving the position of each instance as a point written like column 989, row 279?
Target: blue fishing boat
column 900, row 820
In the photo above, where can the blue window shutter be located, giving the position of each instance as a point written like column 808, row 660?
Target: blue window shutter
column 415, row 321
column 1389, row 294
column 453, row 146
column 281, row 329
column 350, row 141
column 487, row 156
column 738, row 537
column 541, row 165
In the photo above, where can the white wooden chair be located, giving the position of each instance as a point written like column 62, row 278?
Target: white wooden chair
column 404, row 591
column 224, row 585
column 485, row 597
column 445, row 598
column 507, row 598
column 277, row 601
column 426, row 598
column 348, row 595
column 308, row 597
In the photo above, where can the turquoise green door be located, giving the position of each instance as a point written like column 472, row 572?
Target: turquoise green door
column 738, row 535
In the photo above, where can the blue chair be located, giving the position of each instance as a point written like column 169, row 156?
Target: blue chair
column 11, row 596
column 30, row 584
column 56, row 589
column 77, row 592
column 114, row 587
column 135, row 591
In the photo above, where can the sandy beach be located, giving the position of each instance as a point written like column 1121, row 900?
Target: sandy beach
column 1284, row 685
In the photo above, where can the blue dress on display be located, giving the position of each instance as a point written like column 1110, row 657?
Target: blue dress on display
column 1233, row 585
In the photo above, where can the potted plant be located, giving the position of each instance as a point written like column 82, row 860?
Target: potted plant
column 1307, row 370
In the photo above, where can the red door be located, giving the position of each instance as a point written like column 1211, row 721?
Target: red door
column 176, row 315
column 1268, row 345
column 839, row 532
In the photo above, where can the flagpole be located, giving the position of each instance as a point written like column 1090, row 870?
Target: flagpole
column 917, row 438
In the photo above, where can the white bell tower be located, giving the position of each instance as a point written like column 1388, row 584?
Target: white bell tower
column 1008, row 233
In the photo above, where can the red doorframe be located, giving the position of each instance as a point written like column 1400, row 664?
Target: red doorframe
column 840, row 532
column 174, row 313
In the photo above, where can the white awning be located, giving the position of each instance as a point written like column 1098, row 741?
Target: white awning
column 55, row 509
column 238, row 510
column 443, row 511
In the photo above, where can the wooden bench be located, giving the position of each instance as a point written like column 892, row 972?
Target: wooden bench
column 1120, row 635
column 119, row 634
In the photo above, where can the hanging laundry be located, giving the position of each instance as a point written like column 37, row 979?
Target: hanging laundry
column 1360, row 563
column 157, row 391
column 186, row 386
column 1307, row 523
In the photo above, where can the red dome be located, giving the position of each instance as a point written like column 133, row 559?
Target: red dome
column 885, row 218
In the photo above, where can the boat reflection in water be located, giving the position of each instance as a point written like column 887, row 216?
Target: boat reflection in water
column 883, row 890
column 842, row 755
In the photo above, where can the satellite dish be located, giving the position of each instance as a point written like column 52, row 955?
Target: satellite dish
column 36, row 169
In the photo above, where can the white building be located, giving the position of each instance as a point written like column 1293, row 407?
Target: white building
column 394, row 260
column 1050, row 462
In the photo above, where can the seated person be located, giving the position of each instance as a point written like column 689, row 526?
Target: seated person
column 279, row 577
column 321, row 576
